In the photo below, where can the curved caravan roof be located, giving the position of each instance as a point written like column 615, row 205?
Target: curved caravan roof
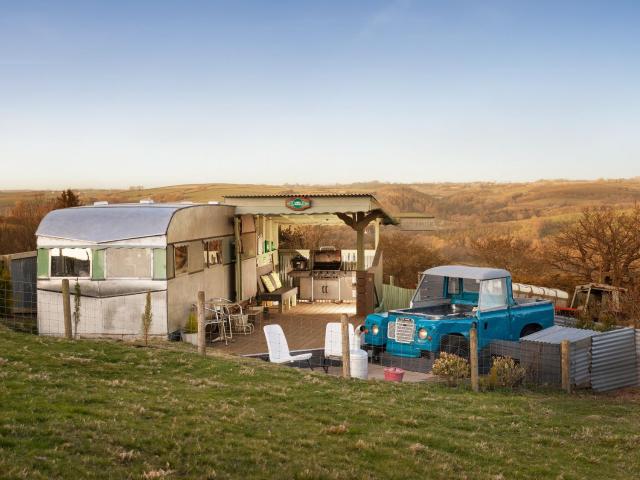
column 463, row 271
column 109, row 223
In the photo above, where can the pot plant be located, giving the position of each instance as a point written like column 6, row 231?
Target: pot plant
column 190, row 331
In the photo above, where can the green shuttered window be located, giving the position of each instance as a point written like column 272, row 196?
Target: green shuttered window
column 159, row 264
column 43, row 262
column 97, row 272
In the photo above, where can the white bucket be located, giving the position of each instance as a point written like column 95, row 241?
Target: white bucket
column 359, row 364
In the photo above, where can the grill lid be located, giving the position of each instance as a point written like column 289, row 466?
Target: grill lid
column 327, row 258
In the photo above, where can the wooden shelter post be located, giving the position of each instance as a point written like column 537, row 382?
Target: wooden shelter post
column 376, row 237
column 360, row 249
column 238, row 251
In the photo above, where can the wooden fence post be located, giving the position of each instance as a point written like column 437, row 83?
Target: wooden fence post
column 346, row 347
column 566, row 365
column 473, row 358
column 202, row 347
column 66, row 308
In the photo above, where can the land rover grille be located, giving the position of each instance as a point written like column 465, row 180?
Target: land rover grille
column 404, row 330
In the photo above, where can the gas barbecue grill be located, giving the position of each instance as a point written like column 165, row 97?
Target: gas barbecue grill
column 326, row 278
column 326, row 262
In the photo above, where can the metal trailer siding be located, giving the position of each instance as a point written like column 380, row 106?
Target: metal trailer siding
column 613, row 360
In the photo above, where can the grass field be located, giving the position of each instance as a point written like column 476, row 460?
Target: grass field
column 98, row 409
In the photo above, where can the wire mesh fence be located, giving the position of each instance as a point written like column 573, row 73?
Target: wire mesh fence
column 25, row 308
column 18, row 305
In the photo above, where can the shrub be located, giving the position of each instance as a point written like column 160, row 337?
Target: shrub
column 147, row 318
column 451, row 367
column 192, row 323
column 77, row 302
column 505, row 372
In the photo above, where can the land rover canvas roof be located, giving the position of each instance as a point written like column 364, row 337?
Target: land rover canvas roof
column 463, row 271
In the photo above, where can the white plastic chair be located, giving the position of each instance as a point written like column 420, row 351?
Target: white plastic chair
column 333, row 343
column 279, row 349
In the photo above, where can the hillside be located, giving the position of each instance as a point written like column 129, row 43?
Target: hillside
column 513, row 206
column 99, row 409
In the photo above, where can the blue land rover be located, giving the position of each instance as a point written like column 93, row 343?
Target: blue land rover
column 447, row 302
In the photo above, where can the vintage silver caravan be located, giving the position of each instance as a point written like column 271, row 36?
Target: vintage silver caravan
column 117, row 253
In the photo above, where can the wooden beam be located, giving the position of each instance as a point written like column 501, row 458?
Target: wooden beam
column 360, row 219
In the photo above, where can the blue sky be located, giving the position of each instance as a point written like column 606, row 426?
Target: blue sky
column 118, row 93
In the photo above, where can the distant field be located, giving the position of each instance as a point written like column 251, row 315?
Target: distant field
column 100, row 409
column 527, row 208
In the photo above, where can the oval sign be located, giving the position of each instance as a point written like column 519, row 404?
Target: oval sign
column 298, row 203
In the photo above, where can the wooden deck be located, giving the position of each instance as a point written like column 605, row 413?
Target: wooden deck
column 304, row 326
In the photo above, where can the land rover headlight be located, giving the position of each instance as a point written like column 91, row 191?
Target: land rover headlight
column 422, row 333
column 375, row 329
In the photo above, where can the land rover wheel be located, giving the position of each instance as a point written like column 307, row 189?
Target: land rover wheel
column 529, row 329
column 456, row 344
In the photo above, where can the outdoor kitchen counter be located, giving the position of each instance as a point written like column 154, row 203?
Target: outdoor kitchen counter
column 336, row 285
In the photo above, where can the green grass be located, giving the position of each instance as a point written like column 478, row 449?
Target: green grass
column 98, row 409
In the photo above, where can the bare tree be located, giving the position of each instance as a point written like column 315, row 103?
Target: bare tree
column 18, row 227
column 517, row 255
column 602, row 246
column 17, row 231
column 406, row 256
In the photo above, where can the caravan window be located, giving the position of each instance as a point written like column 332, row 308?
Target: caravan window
column 129, row 263
column 212, row 252
column 70, row 262
column 181, row 259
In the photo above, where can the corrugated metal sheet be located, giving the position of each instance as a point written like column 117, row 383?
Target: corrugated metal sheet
column 565, row 321
column 580, row 355
column 505, row 348
column 614, row 360
column 556, row 334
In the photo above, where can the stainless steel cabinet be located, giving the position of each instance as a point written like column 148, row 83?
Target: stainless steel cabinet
column 326, row 289
column 337, row 289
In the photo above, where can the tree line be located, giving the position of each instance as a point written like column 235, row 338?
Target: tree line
column 18, row 226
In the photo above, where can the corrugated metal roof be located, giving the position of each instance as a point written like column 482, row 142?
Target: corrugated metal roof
column 463, row 271
column 287, row 195
column 109, row 223
column 556, row 334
